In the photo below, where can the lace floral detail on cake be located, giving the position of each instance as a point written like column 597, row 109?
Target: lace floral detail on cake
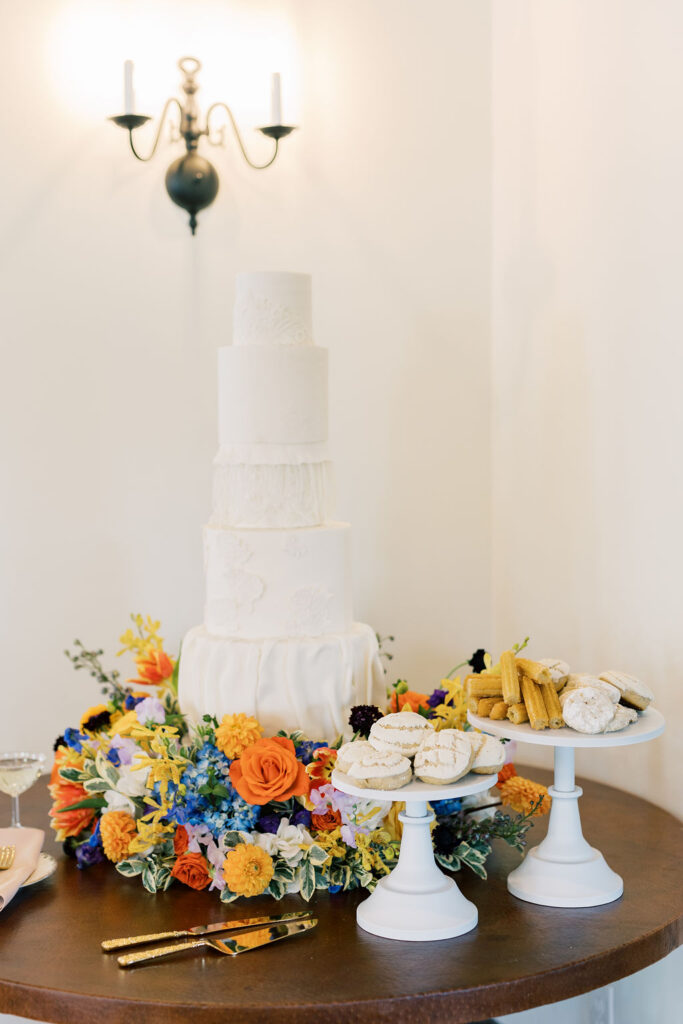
column 238, row 588
column 310, row 611
column 264, row 322
column 271, row 496
column 294, row 546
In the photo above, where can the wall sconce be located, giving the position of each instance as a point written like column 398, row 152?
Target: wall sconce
column 191, row 180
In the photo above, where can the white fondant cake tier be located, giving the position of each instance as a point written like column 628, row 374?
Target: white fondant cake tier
column 266, row 496
column 278, row 583
column 272, row 309
column 272, row 394
column 307, row 684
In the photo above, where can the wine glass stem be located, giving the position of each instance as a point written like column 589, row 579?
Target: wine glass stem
column 15, row 812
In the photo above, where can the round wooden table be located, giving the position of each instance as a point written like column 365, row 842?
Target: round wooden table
column 520, row 955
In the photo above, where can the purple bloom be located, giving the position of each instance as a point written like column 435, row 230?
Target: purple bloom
column 87, row 855
column 437, row 697
column 125, row 748
column 151, row 710
column 269, row 823
column 301, row 817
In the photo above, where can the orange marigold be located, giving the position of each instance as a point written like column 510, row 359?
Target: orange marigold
column 236, row 733
column 248, row 869
column 521, row 794
column 117, row 830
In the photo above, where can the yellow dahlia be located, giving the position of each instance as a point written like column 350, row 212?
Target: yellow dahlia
column 236, row 733
column 521, row 794
column 248, row 869
column 117, row 830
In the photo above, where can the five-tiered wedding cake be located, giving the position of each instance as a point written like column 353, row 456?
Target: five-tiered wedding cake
column 278, row 640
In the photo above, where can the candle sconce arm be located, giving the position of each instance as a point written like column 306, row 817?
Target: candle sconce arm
column 219, row 138
column 133, row 121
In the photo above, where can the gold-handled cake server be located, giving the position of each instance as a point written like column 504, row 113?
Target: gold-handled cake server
column 228, row 947
column 204, row 929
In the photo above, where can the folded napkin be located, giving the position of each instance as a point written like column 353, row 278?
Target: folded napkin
column 29, row 842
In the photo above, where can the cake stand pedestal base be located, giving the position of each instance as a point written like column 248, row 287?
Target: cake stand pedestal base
column 417, row 902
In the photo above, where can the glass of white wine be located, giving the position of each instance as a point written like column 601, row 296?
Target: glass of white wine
column 18, row 772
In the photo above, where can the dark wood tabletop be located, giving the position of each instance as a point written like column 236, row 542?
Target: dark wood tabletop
column 520, row 955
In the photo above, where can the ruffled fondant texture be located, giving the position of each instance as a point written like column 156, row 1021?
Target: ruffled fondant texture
column 307, row 683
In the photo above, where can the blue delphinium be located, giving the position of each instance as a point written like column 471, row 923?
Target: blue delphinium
column 305, row 750
column 445, row 807
column 73, row 738
column 90, row 852
column 209, row 797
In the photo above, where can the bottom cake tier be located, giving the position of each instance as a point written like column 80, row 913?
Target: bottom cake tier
column 306, row 683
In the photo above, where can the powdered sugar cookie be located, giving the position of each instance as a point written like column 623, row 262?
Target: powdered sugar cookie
column 444, row 757
column 402, row 732
column 622, row 717
column 634, row 692
column 587, row 710
column 351, row 752
column 490, row 756
column 584, row 679
column 559, row 670
column 381, row 769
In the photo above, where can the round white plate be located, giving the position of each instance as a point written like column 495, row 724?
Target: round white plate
column 45, row 867
column 650, row 724
column 416, row 790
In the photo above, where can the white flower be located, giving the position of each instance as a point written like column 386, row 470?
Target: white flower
column 292, row 842
column 267, row 841
column 118, row 802
column 132, row 782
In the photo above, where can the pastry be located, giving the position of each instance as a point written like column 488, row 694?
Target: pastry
column 535, row 705
column 402, row 732
column 517, row 713
column 444, row 757
column 633, row 692
column 535, row 670
column 485, row 704
column 559, row 670
column 351, row 752
column 499, row 711
column 490, row 757
column 587, row 709
column 475, row 738
column 484, row 686
column 578, row 679
column 381, row 769
column 623, row 716
column 509, row 678
column 552, row 705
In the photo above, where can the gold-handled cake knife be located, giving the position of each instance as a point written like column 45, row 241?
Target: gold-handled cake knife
column 228, row 947
column 204, row 929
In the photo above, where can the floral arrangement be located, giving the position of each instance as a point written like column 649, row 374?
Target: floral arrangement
column 223, row 807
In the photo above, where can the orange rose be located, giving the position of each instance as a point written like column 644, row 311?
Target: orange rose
column 69, row 823
column 154, row 667
column 268, row 770
column 180, row 840
column 410, row 698
column 326, row 822
column 192, row 869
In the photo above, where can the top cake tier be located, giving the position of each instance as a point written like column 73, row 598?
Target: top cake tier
column 272, row 309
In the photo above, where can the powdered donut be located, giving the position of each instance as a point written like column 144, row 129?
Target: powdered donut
column 559, row 670
column 402, row 732
column 622, row 717
column 587, row 710
column 584, row 679
column 444, row 757
column 351, row 752
column 381, row 769
column 633, row 691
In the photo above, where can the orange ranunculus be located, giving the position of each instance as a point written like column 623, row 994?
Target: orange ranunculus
column 321, row 767
column 117, row 829
column 154, row 667
column 69, row 823
column 410, row 698
column 236, row 733
column 326, row 822
column 192, row 869
column 268, row 770
column 248, row 869
column 180, row 840
column 505, row 773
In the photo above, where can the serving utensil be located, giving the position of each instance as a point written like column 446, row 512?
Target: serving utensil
column 227, row 947
column 7, row 856
column 205, row 929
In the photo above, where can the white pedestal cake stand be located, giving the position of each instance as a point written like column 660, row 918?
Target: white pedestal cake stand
column 417, row 901
column 563, row 870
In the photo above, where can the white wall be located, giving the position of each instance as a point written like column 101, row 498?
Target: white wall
column 587, row 364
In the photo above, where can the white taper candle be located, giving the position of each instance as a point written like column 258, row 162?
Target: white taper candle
column 128, row 94
column 275, row 99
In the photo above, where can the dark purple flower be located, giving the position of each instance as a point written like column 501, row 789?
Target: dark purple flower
column 97, row 722
column 269, row 823
column 301, row 817
column 87, row 855
column 363, row 717
column 477, row 660
column 436, row 698
column 59, row 742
